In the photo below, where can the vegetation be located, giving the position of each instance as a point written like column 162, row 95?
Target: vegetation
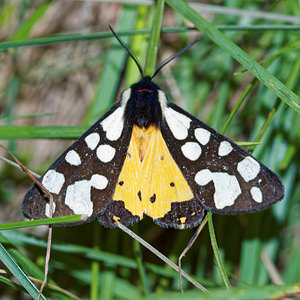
column 61, row 70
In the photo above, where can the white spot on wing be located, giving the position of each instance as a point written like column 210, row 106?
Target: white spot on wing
column 92, row 140
column 225, row 148
column 78, row 195
column 105, row 153
column 113, row 124
column 125, row 96
column 227, row 188
column 99, row 181
column 73, row 158
column 203, row 177
column 248, row 168
column 191, row 150
column 256, row 194
column 178, row 123
column 202, row 135
column 53, row 181
column 47, row 209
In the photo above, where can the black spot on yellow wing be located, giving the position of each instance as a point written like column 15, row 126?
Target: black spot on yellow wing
column 172, row 184
column 153, row 198
column 140, row 195
column 121, row 183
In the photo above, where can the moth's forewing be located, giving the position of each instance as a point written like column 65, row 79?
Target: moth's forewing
column 83, row 179
column 223, row 176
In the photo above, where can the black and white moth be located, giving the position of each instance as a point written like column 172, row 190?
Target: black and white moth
column 147, row 156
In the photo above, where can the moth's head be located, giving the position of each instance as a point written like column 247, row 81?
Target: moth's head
column 141, row 101
column 142, row 107
column 144, row 87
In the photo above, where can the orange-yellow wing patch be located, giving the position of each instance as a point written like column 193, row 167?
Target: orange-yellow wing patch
column 150, row 180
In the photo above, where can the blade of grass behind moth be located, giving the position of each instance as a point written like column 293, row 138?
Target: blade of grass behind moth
column 56, row 220
column 34, row 115
column 95, row 265
column 41, row 132
column 187, row 248
column 286, row 95
column 161, row 256
column 219, row 110
column 23, row 261
column 110, row 75
column 139, row 259
column 75, row 37
column 154, row 38
column 216, row 250
column 238, row 104
column 292, row 81
column 13, row 267
column 11, row 98
column 22, row 32
column 138, row 45
column 272, row 57
column 263, row 128
column 26, row 27
column 50, row 197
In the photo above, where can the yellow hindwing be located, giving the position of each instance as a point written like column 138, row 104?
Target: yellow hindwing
column 150, row 179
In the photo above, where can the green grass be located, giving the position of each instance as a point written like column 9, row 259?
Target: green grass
column 242, row 78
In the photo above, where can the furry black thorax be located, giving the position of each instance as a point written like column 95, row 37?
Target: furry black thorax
column 143, row 108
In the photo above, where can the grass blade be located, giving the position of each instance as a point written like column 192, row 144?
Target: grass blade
column 56, row 220
column 41, row 132
column 286, row 95
column 154, row 38
column 9, row 262
column 216, row 251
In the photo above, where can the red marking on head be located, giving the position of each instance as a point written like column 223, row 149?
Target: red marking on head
column 144, row 90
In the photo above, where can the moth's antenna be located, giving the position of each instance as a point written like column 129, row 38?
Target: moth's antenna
column 172, row 57
column 128, row 51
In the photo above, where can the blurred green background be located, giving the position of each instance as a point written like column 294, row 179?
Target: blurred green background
column 61, row 67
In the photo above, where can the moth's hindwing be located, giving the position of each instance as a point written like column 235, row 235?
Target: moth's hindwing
column 83, row 179
column 151, row 183
column 222, row 176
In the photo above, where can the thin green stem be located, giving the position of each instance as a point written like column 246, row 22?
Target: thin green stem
column 56, row 220
column 95, row 266
column 216, row 250
column 141, row 269
column 238, row 104
column 154, row 38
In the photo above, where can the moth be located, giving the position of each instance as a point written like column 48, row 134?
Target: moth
column 148, row 156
